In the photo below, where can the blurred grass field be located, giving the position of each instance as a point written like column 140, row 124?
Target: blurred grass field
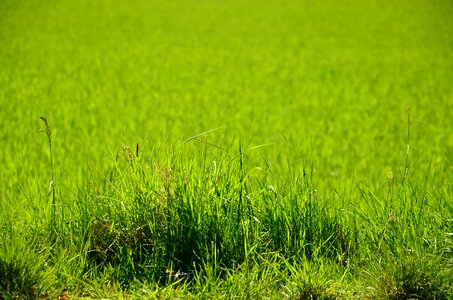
column 235, row 106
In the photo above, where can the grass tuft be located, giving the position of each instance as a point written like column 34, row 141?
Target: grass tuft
column 22, row 274
column 412, row 277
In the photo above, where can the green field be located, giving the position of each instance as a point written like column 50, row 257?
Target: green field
column 226, row 149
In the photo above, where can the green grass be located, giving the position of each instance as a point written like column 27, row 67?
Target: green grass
column 249, row 149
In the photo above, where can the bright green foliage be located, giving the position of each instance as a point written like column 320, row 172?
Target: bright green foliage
column 218, row 149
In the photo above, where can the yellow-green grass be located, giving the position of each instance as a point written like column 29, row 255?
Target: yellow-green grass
column 258, row 148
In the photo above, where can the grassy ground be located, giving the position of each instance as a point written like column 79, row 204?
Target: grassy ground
column 242, row 149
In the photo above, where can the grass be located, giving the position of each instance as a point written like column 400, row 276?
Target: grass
column 219, row 150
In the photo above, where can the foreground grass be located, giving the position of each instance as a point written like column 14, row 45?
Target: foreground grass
column 210, row 225
column 273, row 143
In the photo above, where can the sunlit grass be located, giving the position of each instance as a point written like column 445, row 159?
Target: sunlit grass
column 218, row 150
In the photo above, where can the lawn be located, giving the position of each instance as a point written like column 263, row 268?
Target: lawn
column 226, row 149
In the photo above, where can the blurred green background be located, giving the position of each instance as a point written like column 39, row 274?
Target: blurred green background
column 326, row 82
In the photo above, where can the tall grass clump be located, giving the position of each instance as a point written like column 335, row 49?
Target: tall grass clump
column 22, row 271
column 405, row 249
column 166, row 219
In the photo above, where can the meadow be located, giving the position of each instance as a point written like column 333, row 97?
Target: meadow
column 226, row 149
